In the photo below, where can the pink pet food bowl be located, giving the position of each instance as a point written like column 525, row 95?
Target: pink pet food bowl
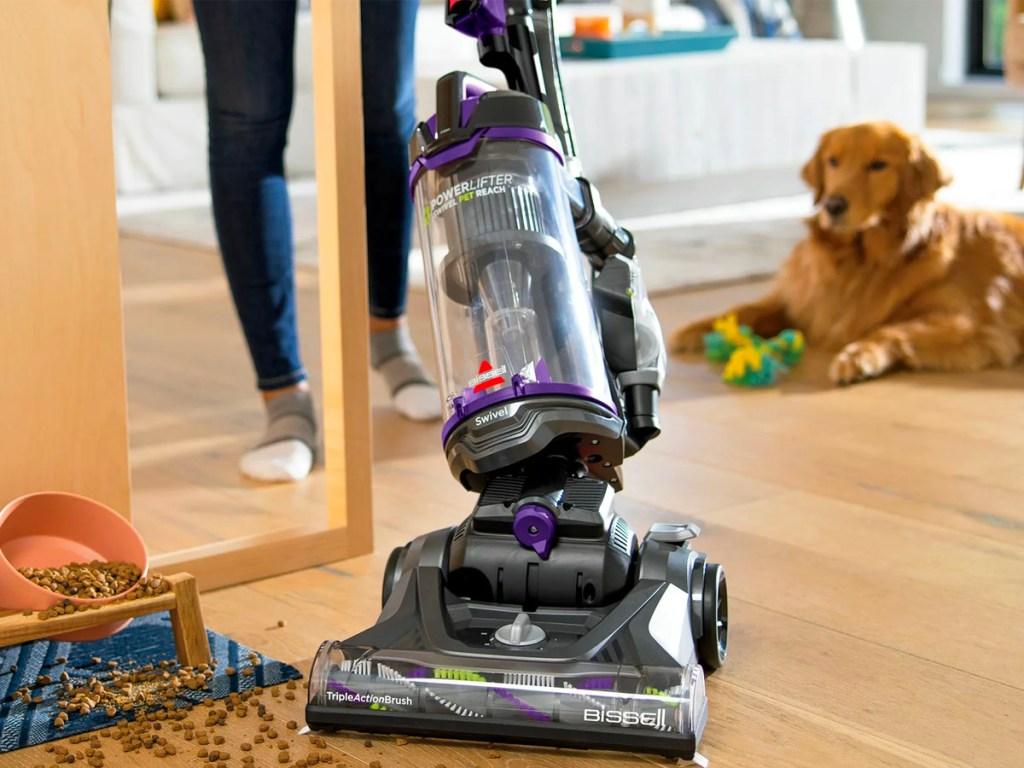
column 51, row 529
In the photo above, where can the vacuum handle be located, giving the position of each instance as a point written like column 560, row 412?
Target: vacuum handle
column 551, row 69
column 450, row 98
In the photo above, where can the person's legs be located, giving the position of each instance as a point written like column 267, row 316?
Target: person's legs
column 389, row 116
column 248, row 48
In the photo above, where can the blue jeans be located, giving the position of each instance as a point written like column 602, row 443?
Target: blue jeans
column 249, row 48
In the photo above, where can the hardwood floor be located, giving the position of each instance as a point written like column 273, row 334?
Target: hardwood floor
column 873, row 535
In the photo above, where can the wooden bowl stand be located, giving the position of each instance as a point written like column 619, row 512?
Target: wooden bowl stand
column 182, row 601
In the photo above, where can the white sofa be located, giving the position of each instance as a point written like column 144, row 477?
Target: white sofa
column 758, row 104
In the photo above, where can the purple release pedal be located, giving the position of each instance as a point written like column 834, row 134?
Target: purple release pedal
column 535, row 528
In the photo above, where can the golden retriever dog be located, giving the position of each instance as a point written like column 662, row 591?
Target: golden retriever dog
column 887, row 276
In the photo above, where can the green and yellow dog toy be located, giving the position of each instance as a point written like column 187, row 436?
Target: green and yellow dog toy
column 751, row 361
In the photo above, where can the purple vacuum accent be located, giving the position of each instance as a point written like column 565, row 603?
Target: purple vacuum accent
column 449, row 155
column 536, row 714
column 541, row 372
column 470, row 403
column 487, row 19
column 468, row 147
column 535, row 528
column 597, row 684
column 475, row 89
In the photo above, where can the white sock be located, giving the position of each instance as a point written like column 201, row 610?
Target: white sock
column 282, row 462
column 418, row 402
column 286, row 452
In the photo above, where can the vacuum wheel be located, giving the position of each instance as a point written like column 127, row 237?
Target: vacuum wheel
column 713, row 645
column 393, row 572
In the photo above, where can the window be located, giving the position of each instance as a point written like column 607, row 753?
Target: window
column 986, row 20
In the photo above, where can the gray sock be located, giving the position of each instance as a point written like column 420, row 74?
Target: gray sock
column 290, row 417
column 393, row 356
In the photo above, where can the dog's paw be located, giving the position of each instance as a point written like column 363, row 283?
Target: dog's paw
column 689, row 339
column 859, row 361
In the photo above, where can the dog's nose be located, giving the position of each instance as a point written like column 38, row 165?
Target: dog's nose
column 836, row 205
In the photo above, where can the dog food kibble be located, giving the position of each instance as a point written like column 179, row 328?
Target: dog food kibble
column 246, row 746
column 230, row 671
column 292, row 725
column 282, row 623
column 283, row 757
column 367, row 743
column 494, row 754
column 401, row 742
column 375, row 764
column 85, row 580
column 218, row 740
column 290, row 695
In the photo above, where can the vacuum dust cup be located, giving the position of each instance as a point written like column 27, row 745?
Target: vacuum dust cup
column 507, row 283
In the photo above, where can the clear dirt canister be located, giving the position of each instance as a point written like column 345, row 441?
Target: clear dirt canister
column 507, row 282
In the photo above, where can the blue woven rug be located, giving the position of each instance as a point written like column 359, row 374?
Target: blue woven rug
column 147, row 640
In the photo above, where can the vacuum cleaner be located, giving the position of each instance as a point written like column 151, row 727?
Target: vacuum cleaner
column 541, row 618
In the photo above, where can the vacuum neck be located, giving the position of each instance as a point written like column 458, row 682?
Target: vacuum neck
column 517, row 37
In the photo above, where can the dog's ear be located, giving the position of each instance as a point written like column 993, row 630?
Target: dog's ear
column 813, row 172
column 923, row 175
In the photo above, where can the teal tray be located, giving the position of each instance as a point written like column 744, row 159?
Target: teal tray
column 627, row 45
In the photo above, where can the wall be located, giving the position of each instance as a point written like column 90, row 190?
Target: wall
column 928, row 22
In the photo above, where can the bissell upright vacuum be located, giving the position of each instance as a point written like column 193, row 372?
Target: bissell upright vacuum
column 541, row 618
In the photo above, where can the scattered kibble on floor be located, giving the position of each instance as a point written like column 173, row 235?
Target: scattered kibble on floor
column 143, row 706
